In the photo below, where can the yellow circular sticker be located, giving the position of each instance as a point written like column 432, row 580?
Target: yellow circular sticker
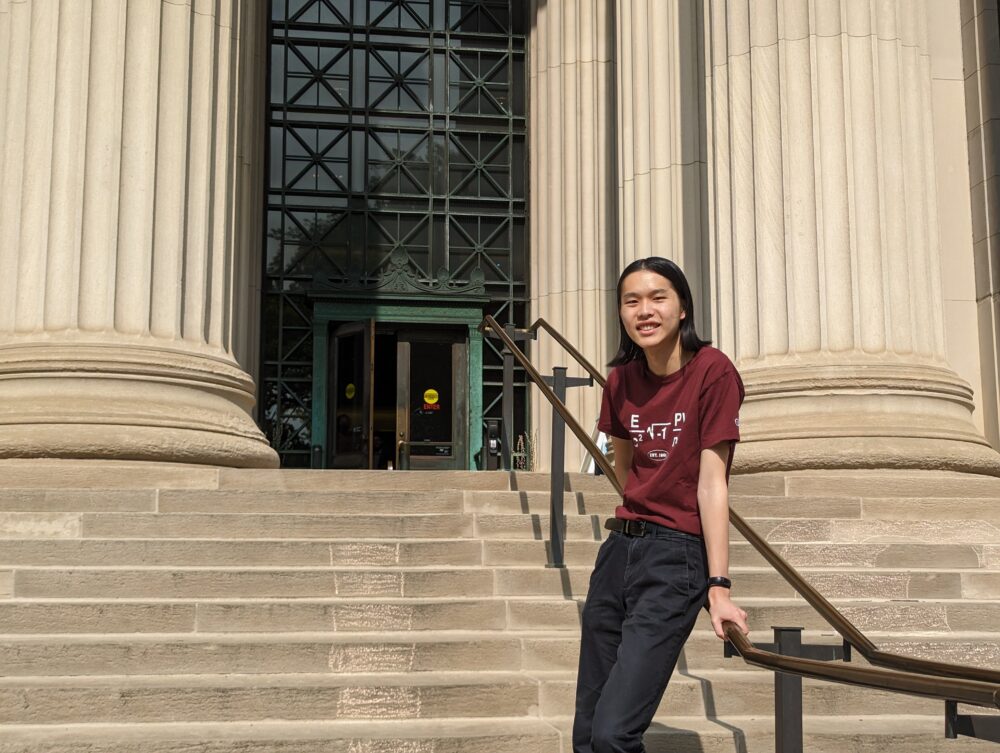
column 431, row 396
column 350, row 392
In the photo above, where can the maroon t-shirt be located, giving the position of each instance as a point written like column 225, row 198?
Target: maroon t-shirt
column 670, row 420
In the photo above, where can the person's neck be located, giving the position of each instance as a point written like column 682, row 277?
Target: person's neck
column 667, row 359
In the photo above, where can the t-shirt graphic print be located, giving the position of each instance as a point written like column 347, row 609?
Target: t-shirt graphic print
column 669, row 421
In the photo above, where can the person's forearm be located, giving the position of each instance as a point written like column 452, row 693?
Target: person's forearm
column 713, row 504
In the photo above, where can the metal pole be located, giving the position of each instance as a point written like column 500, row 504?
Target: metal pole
column 507, row 403
column 788, row 695
column 557, row 484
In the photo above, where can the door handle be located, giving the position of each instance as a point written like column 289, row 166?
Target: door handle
column 402, row 455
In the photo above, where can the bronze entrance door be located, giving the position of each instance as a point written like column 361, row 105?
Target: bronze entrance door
column 397, row 396
column 352, row 367
column 432, row 406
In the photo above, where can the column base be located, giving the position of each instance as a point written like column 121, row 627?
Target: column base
column 859, row 412
column 130, row 402
column 866, row 453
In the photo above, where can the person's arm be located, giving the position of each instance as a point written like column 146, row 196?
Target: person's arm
column 623, row 458
column 713, row 505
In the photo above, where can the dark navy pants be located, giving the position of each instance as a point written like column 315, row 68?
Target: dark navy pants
column 644, row 598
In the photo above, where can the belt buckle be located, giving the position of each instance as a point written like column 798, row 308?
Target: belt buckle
column 634, row 528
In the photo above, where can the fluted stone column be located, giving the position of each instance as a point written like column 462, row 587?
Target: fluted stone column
column 117, row 210
column 661, row 147
column 981, row 64
column 573, row 261
column 825, row 237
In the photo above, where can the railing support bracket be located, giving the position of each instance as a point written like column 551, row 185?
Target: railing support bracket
column 970, row 725
column 559, row 383
column 788, row 688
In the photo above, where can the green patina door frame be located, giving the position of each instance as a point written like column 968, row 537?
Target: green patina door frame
column 469, row 316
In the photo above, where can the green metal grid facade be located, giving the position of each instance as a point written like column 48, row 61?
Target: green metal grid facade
column 397, row 167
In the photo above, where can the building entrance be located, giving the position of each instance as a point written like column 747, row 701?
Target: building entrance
column 396, row 386
column 399, row 396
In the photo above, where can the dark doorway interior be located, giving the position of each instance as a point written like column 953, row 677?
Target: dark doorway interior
column 399, row 396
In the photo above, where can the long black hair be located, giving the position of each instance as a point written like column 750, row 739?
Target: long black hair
column 627, row 349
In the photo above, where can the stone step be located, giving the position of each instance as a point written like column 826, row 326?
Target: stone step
column 258, row 653
column 734, row 692
column 264, row 526
column 889, row 508
column 538, row 502
column 219, row 501
column 533, row 526
column 940, row 616
column 867, row 483
column 106, row 474
column 334, row 502
column 234, row 697
column 497, row 735
column 77, row 500
column 773, row 530
column 70, row 525
column 867, row 507
column 931, row 508
column 407, row 651
column 911, row 483
column 346, row 552
column 159, row 582
column 882, row 584
column 265, row 582
column 604, row 504
column 49, row 474
column 821, row 734
column 741, row 554
column 676, row 734
column 457, row 552
column 704, row 651
column 263, row 481
column 428, row 695
column 874, row 531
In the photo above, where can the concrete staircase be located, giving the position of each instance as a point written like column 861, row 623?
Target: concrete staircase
column 151, row 609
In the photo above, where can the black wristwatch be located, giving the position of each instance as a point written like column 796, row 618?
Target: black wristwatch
column 718, row 580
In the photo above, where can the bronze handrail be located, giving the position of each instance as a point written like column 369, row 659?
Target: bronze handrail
column 848, row 631
column 540, row 323
column 926, row 686
column 970, row 684
column 489, row 323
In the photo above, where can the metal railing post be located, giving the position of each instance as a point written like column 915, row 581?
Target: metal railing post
column 980, row 726
column 787, row 694
column 507, row 403
column 788, row 687
column 559, row 382
column 557, row 521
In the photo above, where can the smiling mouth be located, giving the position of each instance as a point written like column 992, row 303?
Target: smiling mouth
column 648, row 327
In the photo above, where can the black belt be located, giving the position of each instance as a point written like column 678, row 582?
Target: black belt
column 630, row 527
column 640, row 528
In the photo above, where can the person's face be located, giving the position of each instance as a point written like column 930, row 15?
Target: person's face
column 650, row 309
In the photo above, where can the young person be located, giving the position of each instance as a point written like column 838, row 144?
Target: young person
column 671, row 407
